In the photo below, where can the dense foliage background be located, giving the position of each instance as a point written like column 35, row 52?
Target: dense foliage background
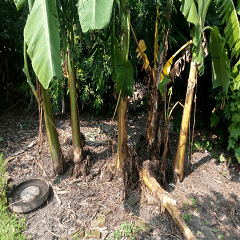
column 94, row 70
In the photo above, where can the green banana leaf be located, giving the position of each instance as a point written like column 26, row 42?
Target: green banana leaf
column 41, row 34
column 196, row 16
column 122, row 70
column 197, row 52
column 19, row 3
column 220, row 61
column 203, row 6
column 229, row 16
column 117, row 58
column 94, row 14
column 189, row 10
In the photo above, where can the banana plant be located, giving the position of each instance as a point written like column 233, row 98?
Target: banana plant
column 44, row 52
column 68, row 15
column 90, row 18
column 196, row 15
column 123, row 76
column 157, row 124
column 42, row 42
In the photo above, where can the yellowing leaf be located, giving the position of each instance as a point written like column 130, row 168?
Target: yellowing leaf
column 167, row 67
column 142, row 46
column 145, row 61
column 139, row 55
column 161, row 77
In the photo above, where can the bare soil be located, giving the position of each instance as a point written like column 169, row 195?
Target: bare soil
column 209, row 194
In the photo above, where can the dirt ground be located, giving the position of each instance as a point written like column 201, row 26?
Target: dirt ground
column 208, row 197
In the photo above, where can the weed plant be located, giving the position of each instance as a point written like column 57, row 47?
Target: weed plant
column 10, row 226
column 127, row 230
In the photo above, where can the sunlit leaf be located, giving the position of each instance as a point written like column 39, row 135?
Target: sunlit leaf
column 94, row 14
column 167, row 66
column 189, row 10
column 41, row 34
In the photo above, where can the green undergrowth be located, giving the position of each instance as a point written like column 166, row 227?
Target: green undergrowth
column 127, row 230
column 10, row 226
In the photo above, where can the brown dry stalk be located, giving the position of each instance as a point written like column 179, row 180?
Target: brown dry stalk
column 166, row 201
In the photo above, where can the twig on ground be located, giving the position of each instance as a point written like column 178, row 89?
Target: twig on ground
column 61, row 236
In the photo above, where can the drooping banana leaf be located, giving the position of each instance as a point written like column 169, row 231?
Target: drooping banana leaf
column 229, row 16
column 122, row 70
column 197, row 17
column 203, row 6
column 41, row 34
column 117, row 58
column 197, row 51
column 94, row 14
column 189, row 10
column 25, row 70
column 19, row 3
column 220, row 61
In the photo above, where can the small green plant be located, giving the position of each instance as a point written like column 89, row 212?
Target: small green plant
column 187, row 217
column 1, row 139
column 214, row 154
column 10, row 227
column 221, row 236
column 126, row 230
column 224, row 173
column 198, row 232
column 214, row 229
column 194, row 202
column 221, row 158
column 203, row 145
column 186, row 205
column 117, row 234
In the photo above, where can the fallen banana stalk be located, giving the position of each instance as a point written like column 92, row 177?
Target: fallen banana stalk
column 166, row 201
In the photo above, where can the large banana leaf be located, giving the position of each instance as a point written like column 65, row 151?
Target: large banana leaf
column 94, row 14
column 232, row 30
column 19, row 3
column 41, row 34
column 220, row 61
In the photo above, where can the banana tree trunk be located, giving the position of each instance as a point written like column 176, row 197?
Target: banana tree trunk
column 178, row 165
column 54, row 145
column 122, row 152
column 77, row 143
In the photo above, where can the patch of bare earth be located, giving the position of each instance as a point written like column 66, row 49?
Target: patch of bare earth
column 209, row 195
